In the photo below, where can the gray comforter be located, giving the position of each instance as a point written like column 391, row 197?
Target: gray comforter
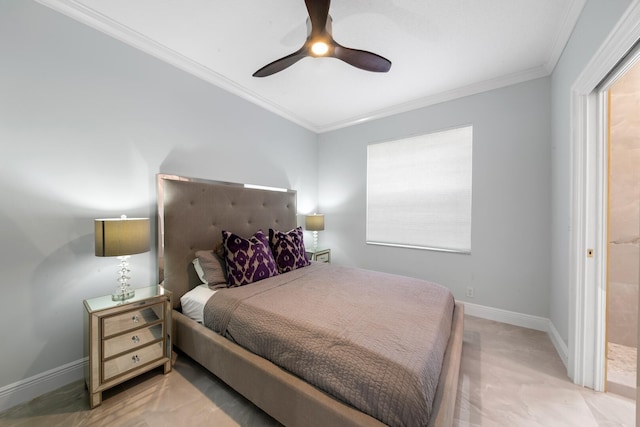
column 375, row 341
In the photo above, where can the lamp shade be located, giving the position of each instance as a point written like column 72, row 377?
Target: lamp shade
column 121, row 236
column 314, row 222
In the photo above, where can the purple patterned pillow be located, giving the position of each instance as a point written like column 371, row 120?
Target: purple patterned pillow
column 247, row 260
column 288, row 249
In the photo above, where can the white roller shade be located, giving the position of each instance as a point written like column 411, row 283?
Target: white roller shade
column 419, row 191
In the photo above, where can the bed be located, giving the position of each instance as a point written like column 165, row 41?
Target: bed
column 191, row 215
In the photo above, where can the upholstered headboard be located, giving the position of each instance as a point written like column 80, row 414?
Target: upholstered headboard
column 193, row 212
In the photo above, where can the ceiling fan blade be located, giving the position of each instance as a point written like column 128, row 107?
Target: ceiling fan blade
column 361, row 59
column 318, row 13
column 320, row 43
column 281, row 64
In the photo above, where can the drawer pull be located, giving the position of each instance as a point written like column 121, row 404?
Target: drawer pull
column 135, row 319
column 135, row 339
column 135, row 359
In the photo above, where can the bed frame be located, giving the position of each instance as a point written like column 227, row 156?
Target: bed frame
column 191, row 215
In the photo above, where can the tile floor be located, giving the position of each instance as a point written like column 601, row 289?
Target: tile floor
column 621, row 370
column 510, row 376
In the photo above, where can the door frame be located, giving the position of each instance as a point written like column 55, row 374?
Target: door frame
column 588, row 223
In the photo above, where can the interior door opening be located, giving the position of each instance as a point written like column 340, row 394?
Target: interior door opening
column 623, row 232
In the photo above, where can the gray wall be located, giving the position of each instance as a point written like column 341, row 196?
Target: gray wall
column 509, row 264
column 596, row 21
column 86, row 122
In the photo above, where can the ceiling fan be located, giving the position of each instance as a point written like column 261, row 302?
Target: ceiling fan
column 320, row 43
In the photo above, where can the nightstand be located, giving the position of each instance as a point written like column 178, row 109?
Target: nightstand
column 320, row 255
column 124, row 339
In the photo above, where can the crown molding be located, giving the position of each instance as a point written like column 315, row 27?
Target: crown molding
column 129, row 36
column 473, row 89
column 561, row 38
column 106, row 25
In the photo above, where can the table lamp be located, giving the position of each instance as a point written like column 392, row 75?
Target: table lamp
column 314, row 223
column 122, row 237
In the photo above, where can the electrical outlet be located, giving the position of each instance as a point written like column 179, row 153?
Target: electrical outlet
column 470, row 292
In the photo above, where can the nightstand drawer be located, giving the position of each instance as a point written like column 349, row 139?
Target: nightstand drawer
column 131, row 341
column 324, row 257
column 131, row 320
column 132, row 360
column 320, row 255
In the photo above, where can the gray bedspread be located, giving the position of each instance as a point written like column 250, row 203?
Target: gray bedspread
column 373, row 340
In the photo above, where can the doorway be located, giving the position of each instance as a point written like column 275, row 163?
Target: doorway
column 588, row 205
column 623, row 232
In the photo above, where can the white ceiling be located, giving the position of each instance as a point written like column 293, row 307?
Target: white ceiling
column 440, row 49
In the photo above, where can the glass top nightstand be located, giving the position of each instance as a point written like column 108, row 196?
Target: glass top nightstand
column 105, row 302
column 320, row 255
column 124, row 339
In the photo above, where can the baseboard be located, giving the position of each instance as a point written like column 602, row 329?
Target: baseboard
column 559, row 344
column 37, row 385
column 505, row 316
column 524, row 320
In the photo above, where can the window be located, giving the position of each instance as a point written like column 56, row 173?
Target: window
column 419, row 191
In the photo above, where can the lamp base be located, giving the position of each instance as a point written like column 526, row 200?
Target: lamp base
column 124, row 294
column 124, row 291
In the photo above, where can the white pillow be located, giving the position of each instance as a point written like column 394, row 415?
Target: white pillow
column 199, row 270
column 193, row 302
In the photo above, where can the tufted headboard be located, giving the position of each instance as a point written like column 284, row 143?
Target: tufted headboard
column 193, row 212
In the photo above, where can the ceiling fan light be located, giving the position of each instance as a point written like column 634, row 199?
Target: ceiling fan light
column 320, row 48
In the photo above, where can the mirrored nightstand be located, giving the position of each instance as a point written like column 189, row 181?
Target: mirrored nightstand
column 124, row 339
column 320, row 255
